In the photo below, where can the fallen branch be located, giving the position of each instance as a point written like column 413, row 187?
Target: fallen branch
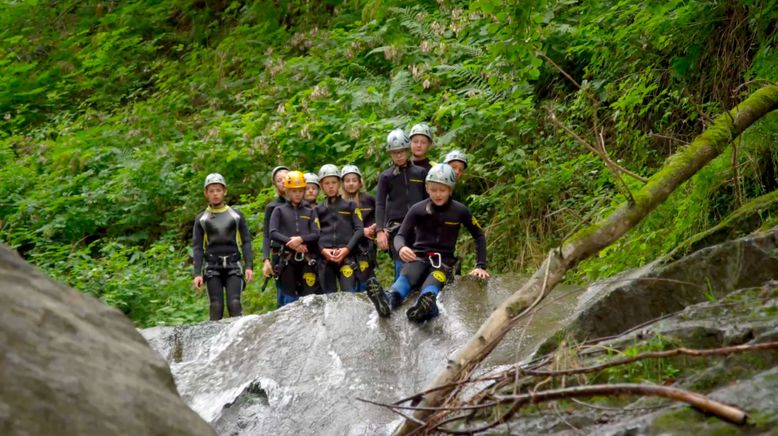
column 590, row 240
column 600, row 152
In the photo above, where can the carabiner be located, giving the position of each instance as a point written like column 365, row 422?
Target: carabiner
column 299, row 256
column 432, row 260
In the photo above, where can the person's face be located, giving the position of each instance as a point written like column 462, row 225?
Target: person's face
column 459, row 167
column 330, row 186
column 311, row 192
column 352, row 184
column 399, row 157
column 279, row 180
column 295, row 195
column 439, row 193
column 419, row 146
column 215, row 193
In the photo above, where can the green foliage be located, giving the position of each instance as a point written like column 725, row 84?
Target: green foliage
column 111, row 114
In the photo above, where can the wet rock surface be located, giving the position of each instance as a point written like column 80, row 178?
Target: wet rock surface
column 71, row 365
column 638, row 296
column 301, row 369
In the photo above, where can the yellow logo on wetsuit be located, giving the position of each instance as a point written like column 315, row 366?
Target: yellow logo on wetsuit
column 318, row 226
column 346, row 270
column 475, row 223
column 363, row 265
column 439, row 276
column 358, row 212
column 310, row 278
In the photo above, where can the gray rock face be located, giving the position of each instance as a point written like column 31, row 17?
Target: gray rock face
column 641, row 295
column 71, row 365
column 301, row 369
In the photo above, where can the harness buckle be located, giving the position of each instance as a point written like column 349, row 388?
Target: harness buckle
column 299, row 256
column 224, row 261
column 433, row 256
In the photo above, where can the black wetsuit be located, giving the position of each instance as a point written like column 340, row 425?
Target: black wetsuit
column 218, row 238
column 365, row 254
column 297, row 272
column 270, row 249
column 398, row 189
column 436, row 229
column 341, row 226
column 424, row 163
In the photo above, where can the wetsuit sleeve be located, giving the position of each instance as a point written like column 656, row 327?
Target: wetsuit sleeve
column 409, row 223
column 197, row 246
column 356, row 220
column 478, row 234
column 245, row 238
column 275, row 225
column 380, row 202
column 266, row 232
column 313, row 236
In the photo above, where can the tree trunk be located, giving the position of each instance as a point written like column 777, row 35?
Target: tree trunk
column 677, row 169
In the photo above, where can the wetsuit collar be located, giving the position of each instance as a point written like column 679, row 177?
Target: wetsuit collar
column 221, row 209
column 432, row 206
column 331, row 200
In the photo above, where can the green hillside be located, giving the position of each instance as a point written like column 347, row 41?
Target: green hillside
column 113, row 112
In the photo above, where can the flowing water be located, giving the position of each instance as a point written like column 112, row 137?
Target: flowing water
column 301, row 369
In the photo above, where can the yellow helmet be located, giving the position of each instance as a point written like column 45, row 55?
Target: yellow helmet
column 294, row 179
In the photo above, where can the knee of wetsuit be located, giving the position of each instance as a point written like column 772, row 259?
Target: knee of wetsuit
column 233, row 306
column 402, row 286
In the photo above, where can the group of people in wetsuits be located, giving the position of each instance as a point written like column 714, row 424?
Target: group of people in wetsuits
column 316, row 248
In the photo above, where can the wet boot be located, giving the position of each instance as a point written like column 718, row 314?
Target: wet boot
column 395, row 299
column 424, row 308
column 378, row 297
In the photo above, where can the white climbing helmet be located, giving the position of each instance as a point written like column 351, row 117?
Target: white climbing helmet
column 421, row 129
column 212, row 178
column 350, row 169
column 275, row 170
column 456, row 155
column 442, row 173
column 311, row 178
column 397, row 140
column 328, row 170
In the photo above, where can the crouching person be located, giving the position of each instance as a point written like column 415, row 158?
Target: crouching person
column 429, row 262
column 295, row 226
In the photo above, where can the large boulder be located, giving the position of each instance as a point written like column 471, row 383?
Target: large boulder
column 667, row 286
column 71, row 365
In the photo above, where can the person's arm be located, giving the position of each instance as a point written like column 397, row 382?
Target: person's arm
column 266, row 232
column 380, row 203
column 406, row 228
column 356, row 220
column 313, row 236
column 275, row 223
column 245, row 238
column 197, row 247
column 478, row 235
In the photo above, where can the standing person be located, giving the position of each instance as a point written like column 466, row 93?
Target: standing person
column 366, row 249
column 429, row 261
column 312, row 188
column 219, row 236
column 295, row 226
column 421, row 141
column 399, row 187
column 270, row 250
column 341, row 230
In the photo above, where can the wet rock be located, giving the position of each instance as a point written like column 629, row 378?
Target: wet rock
column 71, row 365
column 641, row 295
column 303, row 368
